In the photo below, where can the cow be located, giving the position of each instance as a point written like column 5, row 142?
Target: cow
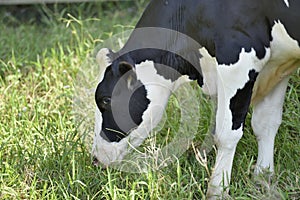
column 242, row 52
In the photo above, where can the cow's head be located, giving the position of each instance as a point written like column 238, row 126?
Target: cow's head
column 130, row 101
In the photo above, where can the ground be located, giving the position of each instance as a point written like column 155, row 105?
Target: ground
column 42, row 153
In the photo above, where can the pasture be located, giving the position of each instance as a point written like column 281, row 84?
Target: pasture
column 43, row 154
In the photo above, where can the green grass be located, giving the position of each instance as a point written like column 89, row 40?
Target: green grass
column 42, row 153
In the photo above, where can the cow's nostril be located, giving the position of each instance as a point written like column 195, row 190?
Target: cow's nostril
column 95, row 161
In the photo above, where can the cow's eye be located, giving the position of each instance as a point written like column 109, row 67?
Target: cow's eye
column 106, row 101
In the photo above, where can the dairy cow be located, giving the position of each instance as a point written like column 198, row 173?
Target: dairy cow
column 241, row 51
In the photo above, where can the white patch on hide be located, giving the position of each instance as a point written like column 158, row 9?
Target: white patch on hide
column 287, row 3
column 285, row 58
column 208, row 66
column 230, row 79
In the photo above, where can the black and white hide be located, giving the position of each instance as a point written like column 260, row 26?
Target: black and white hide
column 240, row 51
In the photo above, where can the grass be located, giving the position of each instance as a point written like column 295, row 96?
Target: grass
column 42, row 152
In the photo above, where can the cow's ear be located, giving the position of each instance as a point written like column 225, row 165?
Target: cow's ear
column 125, row 67
column 127, row 71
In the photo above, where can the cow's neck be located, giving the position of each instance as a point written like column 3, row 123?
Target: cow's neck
column 168, row 65
column 158, row 91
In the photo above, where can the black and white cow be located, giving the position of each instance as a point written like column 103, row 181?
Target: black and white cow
column 245, row 52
